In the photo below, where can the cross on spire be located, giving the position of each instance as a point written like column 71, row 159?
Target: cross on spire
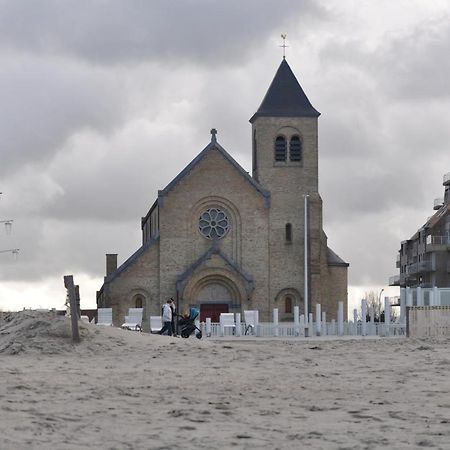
column 213, row 135
column 283, row 36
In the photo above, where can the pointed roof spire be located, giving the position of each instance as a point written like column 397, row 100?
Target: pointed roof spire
column 285, row 97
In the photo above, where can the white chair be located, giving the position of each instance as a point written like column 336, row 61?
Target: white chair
column 155, row 324
column 227, row 321
column 133, row 320
column 104, row 317
column 251, row 321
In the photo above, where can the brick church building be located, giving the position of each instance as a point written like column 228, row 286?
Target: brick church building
column 225, row 241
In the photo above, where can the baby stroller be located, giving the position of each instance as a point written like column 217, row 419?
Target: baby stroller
column 187, row 324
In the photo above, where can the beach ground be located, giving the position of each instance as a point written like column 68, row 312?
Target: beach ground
column 126, row 390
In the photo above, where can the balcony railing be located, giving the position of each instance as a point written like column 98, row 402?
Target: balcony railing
column 438, row 240
column 438, row 203
column 419, row 267
column 394, row 281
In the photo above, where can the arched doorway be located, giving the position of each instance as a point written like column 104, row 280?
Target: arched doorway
column 214, row 298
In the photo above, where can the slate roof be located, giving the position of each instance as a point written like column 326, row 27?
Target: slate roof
column 285, row 97
column 335, row 260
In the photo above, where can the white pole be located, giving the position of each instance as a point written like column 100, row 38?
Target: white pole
column 387, row 315
column 364, row 315
column 355, row 321
column 372, row 321
column 409, row 297
column 306, row 264
column 208, row 326
column 275, row 322
column 296, row 320
column 237, row 331
column 318, row 320
column 310, row 325
column 436, row 299
column 402, row 305
column 324, row 323
column 340, row 318
column 302, row 324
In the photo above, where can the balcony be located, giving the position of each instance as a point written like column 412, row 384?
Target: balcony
column 394, row 281
column 446, row 179
column 420, row 267
column 438, row 203
column 438, row 243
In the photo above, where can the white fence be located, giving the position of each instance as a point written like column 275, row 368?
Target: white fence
column 268, row 329
column 231, row 325
column 428, row 321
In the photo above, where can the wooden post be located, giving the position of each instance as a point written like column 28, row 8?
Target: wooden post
column 68, row 283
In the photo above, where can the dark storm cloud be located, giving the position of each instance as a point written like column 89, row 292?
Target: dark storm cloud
column 116, row 31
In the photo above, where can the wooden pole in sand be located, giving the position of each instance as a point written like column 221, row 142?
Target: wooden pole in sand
column 68, row 283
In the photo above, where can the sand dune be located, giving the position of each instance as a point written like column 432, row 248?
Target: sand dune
column 125, row 390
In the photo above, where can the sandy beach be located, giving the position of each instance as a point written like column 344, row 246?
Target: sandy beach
column 126, row 390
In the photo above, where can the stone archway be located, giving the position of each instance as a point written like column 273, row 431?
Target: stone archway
column 214, row 292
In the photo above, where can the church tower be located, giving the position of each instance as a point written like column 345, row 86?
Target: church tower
column 285, row 162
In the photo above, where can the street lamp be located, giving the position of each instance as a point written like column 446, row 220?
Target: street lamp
column 8, row 226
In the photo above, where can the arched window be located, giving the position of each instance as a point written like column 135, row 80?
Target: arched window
column 280, row 148
column 295, row 149
column 288, row 232
column 139, row 301
column 288, row 304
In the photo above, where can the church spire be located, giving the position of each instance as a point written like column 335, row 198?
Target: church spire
column 285, row 97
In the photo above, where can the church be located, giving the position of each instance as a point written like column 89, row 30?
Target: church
column 224, row 241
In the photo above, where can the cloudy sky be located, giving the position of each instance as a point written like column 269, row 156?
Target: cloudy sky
column 104, row 102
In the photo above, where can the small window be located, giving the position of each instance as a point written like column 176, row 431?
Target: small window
column 295, row 149
column 288, row 231
column 280, row 149
column 288, row 305
column 139, row 302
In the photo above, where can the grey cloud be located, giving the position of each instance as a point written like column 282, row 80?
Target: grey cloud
column 45, row 102
column 119, row 30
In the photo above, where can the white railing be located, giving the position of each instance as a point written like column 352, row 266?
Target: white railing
column 290, row 330
column 438, row 240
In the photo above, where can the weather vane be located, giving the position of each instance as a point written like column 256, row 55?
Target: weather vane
column 283, row 36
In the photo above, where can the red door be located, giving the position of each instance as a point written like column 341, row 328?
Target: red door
column 213, row 311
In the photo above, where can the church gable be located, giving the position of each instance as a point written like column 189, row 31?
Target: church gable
column 225, row 162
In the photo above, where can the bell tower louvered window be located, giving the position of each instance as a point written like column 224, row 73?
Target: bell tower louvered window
column 295, row 149
column 280, row 148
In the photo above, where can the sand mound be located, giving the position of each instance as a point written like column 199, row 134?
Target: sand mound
column 46, row 333
column 31, row 331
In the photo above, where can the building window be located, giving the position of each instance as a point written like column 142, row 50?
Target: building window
column 139, row 302
column 288, row 305
column 280, row 148
column 295, row 149
column 288, row 233
column 213, row 223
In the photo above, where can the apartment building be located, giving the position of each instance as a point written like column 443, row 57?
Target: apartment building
column 424, row 259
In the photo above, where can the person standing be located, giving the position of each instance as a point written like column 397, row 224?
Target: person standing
column 167, row 318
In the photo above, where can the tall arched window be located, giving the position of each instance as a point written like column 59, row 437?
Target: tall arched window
column 295, row 149
column 288, row 232
column 288, row 304
column 280, row 148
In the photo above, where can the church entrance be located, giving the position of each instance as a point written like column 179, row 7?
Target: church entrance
column 213, row 311
column 214, row 298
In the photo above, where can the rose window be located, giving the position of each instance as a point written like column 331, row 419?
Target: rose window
column 213, row 223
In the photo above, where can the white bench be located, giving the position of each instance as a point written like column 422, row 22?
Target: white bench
column 133, row 320
column 227, row 321
column 155, row 324
column 104, row 316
